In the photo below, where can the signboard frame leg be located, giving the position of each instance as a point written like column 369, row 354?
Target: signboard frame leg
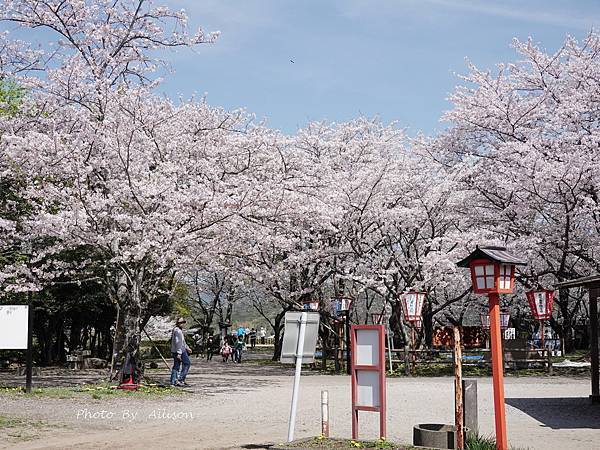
column 29, row 354
column 299, row 354
column 379, row 368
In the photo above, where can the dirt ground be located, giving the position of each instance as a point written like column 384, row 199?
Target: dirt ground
column 247, row 406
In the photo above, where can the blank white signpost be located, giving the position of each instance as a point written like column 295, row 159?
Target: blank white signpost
column 14, row 322
column 368, row 374
column 299, row 342
column 15, row 333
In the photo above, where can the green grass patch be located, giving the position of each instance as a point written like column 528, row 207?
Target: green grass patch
column 13, row 429
column 476, row 442
column 95, row 391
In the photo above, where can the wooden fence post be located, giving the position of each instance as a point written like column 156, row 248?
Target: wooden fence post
column 458, row 393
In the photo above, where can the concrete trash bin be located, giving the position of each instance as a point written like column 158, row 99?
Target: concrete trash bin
column 434, row 435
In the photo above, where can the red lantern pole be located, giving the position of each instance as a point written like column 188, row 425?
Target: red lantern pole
column 542, row 331
column 497, row 371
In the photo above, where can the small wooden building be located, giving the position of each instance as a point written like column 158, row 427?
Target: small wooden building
column 592, row 284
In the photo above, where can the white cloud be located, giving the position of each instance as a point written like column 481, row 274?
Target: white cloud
column 518, row 12
column 543, row 12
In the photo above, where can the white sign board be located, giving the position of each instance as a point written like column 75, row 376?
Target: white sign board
column 367, row 388
column 510, row 333
column 14, row 320
column 367, row 347
column 367, row 354
column 290, row 337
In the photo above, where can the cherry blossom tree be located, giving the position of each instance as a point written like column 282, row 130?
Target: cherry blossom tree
column 145, row 183
column 526, row 138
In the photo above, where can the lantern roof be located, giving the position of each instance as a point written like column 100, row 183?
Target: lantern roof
column 497, row 254
column 592, row 281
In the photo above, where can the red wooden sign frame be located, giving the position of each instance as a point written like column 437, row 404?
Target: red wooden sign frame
column 379, row 368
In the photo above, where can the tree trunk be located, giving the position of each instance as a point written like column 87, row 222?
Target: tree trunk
column 397, row 325
column 132, row 317
column 428, row 327
column 565, row 330
column 279, row 322
column 128, row 330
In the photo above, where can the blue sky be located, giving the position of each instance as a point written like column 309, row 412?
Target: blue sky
column 396, row 59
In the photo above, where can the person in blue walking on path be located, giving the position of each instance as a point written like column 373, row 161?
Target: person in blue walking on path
column 180, row 352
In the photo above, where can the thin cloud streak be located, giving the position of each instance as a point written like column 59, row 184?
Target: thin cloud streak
column 518, row 13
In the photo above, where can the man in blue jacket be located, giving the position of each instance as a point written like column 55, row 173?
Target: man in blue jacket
column 180, row 352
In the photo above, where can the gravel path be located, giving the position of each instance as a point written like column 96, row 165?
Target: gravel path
column 247, row 406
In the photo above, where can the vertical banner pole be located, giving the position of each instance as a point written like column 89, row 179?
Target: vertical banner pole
column 299, row 353
column 458, row 393
column 29, row 354
column 325, row 414
column 497, row 372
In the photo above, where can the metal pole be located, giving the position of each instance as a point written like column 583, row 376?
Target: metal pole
column 299, row 354
column 325, row 414
column 594, row 351
column 158, row 351
column 413, row 355
column 542, row 333
column 389, row 341
column 347, row 336
column 29, row 355
column 112, row 358
column 458, row 393
column 497, row 372
column 338, row 337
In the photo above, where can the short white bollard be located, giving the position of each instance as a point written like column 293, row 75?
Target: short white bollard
column 325, row 414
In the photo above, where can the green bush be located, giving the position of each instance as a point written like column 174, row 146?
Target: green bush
column 476, row 442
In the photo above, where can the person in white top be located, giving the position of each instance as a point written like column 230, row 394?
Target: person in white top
column 180, row 352
column 263, row 335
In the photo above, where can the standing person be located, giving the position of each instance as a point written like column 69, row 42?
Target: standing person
column 209, row 347
column 239, row 348
column 180, row 352
column 197, row 344
column 253, row 338
column 241, row 331
column 226, row 350
column 263, row 335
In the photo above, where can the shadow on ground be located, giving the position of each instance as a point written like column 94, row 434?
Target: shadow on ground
column 205, row 377
column 560, row 413
column 257, row 446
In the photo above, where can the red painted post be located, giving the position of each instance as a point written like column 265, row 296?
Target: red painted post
column 354, row 393
column 382, row 394
column 379, row 368
column 497, row 371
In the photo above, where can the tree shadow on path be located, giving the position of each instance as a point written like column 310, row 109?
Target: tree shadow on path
column 560, row 413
